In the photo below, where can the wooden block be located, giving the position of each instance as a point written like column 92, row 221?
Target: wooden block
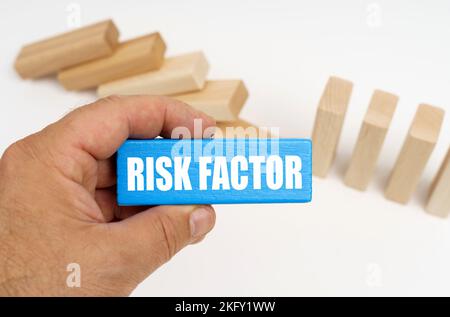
column 179, row 74
column 130, row 58
column 225, row 171
column 328, row 125
column 241, row 129
column 68, row 49
column 221, row 99
column 416, row 150
column 439, row 199
column 370, row 140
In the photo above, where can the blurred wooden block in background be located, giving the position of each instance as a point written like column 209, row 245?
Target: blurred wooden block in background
column 220, row 99
column 439, row 200
column 370, row 140
column 179, row 74
column 419, row 144
column 53, row 54
column 130, row 58
column 328, row 124
column 242, row 129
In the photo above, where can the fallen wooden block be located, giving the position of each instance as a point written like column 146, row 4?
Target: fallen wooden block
column 225, row 171
column 241, row 129
column 130, row 58
column 416, row 150
column 328, row 124
column 221, row 99
column 439, row 199
column 68, row 49
column 370, row 140
column 179, row 74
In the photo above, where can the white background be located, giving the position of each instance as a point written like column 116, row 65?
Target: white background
column 345, row 242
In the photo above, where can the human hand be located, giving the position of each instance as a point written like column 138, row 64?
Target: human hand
column 58, row 203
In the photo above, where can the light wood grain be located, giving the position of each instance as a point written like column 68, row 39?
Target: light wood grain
column 370, row 140
column 328, row 124
column 53, row 54
column 221, row 99
column 439, row 199
column 419, row 144
column 242, row 129
column 133, row 57
column 178, row 74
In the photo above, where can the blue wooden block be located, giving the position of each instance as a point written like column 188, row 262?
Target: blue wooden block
column 217, row 171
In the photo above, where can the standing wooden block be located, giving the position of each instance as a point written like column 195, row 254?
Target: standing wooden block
column 221, row 99
column 179, row 74
column 416, row 150
column 439, row 199
column 130, row 58
column 328, row 125
column 225, row 171
column 241, row 129
column 68, row 49
column 370, row 140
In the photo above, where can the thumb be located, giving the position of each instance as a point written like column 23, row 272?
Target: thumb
column 152, row 237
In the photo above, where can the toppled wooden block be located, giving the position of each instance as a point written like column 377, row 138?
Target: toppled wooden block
column 179, row 74
column 220, row 99
column 370, row 140
column 242, row 129
column 130, row 58
column 53, row 54
column 328, row 124
column 419, row 144
column 439, row 199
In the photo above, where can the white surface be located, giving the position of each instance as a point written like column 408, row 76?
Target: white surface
column 345, row 242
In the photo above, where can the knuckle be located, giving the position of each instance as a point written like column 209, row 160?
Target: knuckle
column 11, row 155
column 29, row 147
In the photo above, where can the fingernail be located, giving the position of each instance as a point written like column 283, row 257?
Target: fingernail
column 201, row 222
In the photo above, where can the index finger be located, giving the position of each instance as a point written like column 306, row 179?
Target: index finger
column 101, row 127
